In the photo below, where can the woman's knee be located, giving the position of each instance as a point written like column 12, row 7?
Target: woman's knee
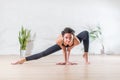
column 86, row 32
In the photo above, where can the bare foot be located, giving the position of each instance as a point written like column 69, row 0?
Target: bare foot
column 61, row 63
column 21, row 61
column 85, row 56
column 71, row 63
column 64, row 63
column 87, row 63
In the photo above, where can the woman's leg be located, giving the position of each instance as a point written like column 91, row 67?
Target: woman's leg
column 84, row 36
column 44, row 53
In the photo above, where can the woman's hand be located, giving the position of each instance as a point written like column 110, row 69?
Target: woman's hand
column 66, row 63
column 71, row 63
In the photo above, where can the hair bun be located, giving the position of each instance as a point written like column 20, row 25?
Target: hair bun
column 67, row 30
column 62, row 33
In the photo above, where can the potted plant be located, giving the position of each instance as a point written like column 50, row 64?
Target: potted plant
column 96, row 33
column 24, row 36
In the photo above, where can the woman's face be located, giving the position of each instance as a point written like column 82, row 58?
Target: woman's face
column 68, row 37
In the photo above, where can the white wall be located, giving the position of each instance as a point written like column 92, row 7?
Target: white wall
column 47, row 18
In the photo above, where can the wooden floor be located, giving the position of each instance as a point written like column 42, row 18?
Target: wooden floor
column 102, row 67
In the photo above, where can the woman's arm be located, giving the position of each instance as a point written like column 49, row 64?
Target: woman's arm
column 66, row 51
column 59, row 41
column 68, row 54
column 65, row 55
column 76, row 42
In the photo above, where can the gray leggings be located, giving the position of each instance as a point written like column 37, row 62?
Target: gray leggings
column 83, row 36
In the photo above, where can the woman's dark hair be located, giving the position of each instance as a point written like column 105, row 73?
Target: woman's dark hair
column 68, row 30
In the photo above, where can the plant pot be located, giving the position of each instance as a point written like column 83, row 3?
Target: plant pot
column 102, row 51
column 29, row 47
column 22, row 53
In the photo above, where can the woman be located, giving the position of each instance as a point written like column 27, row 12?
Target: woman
column 66, row 41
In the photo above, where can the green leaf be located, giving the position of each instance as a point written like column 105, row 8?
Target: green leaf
column 23, row 37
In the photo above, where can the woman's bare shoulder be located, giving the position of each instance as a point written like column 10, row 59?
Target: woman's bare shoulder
column 59, row 39
column 76, row 40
